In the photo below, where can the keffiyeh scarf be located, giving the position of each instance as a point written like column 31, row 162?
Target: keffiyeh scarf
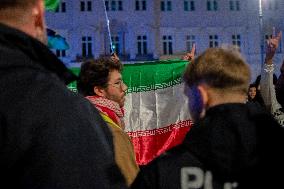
column 109, row 108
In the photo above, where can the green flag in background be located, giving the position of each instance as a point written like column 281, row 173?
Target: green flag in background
column 51, row 5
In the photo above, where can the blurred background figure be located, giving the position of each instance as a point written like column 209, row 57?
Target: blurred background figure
column 254, row 95
column 272, row 95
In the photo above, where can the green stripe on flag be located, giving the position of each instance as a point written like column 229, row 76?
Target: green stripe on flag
column 153, row 75
column 51, row 5
column 142, row 77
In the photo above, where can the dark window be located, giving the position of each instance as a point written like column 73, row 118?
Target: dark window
column 87, row 46
column 209, row 5
column 63, row 7
column 89, row 6
column 82, row 6
column 142, row 45
column 139, row 44
column 170, row 47
column 120, row 5
column 145, row 47
column 213, row 41
column 215, row 5
column 107, row 5
column 237, row 5
column 113, row 5
column 116, row 44
column 89, row 49
column 169, row 5
column 60, row 53
column 162, row 6
column 167, row 45
column 143, row 5
column 57, row 9
column 192, row 5
column 231, row 5
column 137, row 7
column 63, row 53
column 185, row 5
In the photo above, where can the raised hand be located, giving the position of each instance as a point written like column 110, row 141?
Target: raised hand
column 190, row 55
column 272, row 45
column 114, row 58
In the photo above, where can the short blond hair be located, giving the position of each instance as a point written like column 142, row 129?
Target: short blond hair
column 4, row 4
column 219, row 68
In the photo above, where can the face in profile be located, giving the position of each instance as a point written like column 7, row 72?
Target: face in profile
column 195, row 102
column 116, row 89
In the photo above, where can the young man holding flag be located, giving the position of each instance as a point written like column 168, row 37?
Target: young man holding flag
column 100, row 81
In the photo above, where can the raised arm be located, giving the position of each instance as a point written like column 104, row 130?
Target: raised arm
column 267, row 88
column 190, row 55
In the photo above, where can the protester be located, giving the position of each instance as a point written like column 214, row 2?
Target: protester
column 50, row 137
column 254, row 95
column 232, row 144
column 101, row 82
column 267, row 86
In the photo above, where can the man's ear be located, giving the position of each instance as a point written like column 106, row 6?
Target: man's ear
column 204, row 95
column 99, row 91
column 39, row 21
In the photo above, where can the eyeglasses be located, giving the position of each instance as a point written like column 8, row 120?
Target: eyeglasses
column 117, row 84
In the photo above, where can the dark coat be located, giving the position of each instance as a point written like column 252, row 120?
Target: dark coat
column 279, row 89
column 234, row 146
column 50, row 137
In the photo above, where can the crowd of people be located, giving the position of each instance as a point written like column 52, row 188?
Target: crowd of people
column 51, row 137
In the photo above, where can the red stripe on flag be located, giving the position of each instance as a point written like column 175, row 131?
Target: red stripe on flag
column 151, row 143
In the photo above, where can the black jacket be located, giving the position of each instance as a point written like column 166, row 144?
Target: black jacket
column 234, row 146
column 50, row 137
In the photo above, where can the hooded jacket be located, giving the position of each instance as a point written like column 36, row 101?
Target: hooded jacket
column 233, row 146
column 50, row 137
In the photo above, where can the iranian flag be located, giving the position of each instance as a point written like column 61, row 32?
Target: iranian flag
column 157, row 116
column 51, row 5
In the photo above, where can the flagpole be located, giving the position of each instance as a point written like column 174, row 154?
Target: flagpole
column 108, row 28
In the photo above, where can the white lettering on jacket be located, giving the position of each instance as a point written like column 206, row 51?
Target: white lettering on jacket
column 194, row 178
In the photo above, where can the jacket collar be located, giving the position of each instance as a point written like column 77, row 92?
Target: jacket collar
column 37, row 51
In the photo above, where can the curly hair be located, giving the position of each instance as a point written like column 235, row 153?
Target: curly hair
column 95, row 72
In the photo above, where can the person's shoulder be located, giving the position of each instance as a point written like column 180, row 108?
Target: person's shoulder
column 165, row 171
column 174, row 159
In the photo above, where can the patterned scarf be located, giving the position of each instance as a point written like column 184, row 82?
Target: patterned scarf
column 109, row 108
